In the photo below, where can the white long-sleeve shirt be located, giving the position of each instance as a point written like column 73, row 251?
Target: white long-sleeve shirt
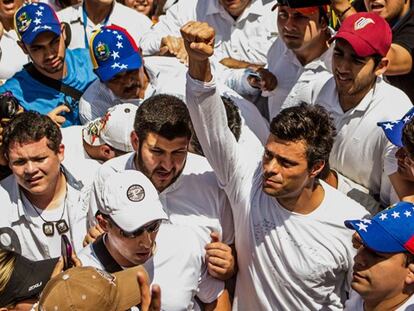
column 287, row 261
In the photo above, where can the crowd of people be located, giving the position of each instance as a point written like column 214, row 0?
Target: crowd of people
column 206, row 155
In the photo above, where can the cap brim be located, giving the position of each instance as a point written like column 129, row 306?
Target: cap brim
column 129, row 293
column 360, row 46
column 28, row 37
column 376, row 238
column 106, row 73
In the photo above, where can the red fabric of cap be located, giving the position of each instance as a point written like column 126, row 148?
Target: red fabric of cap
column 367, row 33
column 409, row 245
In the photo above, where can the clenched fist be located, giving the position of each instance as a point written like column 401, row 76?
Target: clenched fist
column 198, row 40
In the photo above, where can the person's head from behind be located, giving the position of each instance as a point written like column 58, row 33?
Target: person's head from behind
column 297, row 150
column 385, row 245
column 117, row 62
column 361, row 46
column 233, row 122
column 130, row 213
column 303, row 27
column 110, row 136
column 88, row 288
column 22, row 280
column 391, row 10
column 42, row 37
column 32, row 144
column 161, row 137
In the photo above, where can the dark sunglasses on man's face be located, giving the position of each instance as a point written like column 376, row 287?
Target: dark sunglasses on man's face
column 151, row 227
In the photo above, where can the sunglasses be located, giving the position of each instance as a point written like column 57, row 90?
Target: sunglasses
column 151, row 227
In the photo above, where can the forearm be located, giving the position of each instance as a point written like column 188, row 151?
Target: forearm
column 221, row 304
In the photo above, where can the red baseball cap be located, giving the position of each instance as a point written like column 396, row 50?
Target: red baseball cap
column 367, row 33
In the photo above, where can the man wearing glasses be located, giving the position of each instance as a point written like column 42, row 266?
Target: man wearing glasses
column 131, row 216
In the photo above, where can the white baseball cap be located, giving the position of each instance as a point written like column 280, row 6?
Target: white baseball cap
column 113, row 129
column 130, row 199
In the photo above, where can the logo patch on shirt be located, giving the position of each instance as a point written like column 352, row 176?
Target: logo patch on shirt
column 102, row 51
column 136, row 193
column 362, row 23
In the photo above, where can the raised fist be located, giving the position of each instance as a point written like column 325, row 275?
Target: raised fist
column 198, row 40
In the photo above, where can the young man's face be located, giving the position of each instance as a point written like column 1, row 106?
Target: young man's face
column 378, row 276
column 35, row 166
column 298, row 31
column 387, row 9
column 285, row 168
column 47, row 52
column 128, row 84
column 235, row 7
column 160, row 159
column 354, row 75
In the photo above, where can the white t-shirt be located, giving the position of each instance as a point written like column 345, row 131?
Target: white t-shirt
column 287, row 261
column 12, row 56
column 361, row 151
column 248, row 38
column 194, row 199
column 134, row 22
column 77, row 160
column 355, row 303
column 178, row 266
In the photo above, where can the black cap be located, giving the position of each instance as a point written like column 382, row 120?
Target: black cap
column 296, row 4
column 27, row 280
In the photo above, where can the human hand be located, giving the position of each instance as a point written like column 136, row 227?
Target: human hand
column 263, row 79
column 219, row 258
column 92, row 234
column 150, row 300
column 59, row 268
column 55, row 114
column 171, row 46
column 198, row 40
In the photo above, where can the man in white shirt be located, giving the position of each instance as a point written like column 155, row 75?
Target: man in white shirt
column 298, row 63
column 131, row 214
column 293, row 251
column 381, row 279
column 90, row 15
column 41, row 199
column 88, row 146
column 245, row 29
column 357, row 98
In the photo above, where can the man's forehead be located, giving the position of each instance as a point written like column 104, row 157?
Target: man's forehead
column 156, row 140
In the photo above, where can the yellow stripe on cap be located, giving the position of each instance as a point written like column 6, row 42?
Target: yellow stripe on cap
column 94, row 62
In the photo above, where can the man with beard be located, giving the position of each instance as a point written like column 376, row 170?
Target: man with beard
column 294, row 253
column 56, row 78
column 187, row 186
column 357, row 97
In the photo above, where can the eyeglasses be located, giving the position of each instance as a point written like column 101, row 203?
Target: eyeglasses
column 151, row 227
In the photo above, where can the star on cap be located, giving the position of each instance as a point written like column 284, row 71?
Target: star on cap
column 119, row 37
column 41, row 8
column 383, row 216
column 395, row 122
column 36, row 28
column 115, row 32
column 39, row 13
column 395, row 214
column 407, row 118
column 123, row 66
column 115, row 65
column 366, row 221
column 115, row 55
column 119, row 45
column 37, row 21
column 362, row 226
column 407, row 214
column 388, row 126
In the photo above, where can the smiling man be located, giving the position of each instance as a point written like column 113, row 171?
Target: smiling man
column 56, row 78
column 381, row 278
column 357, row 97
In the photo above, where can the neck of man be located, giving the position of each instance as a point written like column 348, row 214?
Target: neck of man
column 59, row 75
column 381, row 304
column 97, row 11
column 350, row 101
column 313, row 50
column 305, row 202
column 53, row 198
column 115, row 253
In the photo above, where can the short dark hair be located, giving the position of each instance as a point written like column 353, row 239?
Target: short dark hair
column 32, row 126
column 165, row 115
column 233, row 122
column 408, row 137
column 310, row 123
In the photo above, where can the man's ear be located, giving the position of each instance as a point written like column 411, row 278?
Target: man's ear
column 106, row 152
column 66, row 33
column 23, row 47
column 317, row 168
column 134, row 140
column 103, row 222
column 382, row 66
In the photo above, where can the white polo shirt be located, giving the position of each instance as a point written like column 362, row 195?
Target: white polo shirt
column 194, row 199
column 287, row 261
column 134, row 22
column 177, row 266
column 248, row 38
column 12, row 56
column 361, row 151
column 27, row 224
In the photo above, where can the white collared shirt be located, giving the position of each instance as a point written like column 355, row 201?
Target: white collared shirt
column 12, row 56
column 248, row 38
column 134, row 22
column 361, row 151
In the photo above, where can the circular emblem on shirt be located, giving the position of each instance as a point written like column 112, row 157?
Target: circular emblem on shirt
column 136, row 193
column 23, row 22
column 102, row 51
